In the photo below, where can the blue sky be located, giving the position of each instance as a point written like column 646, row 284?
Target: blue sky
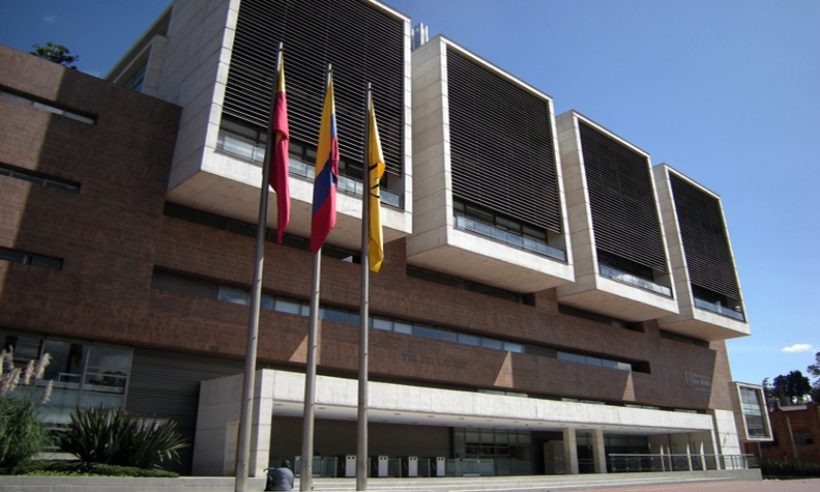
column 727, row 92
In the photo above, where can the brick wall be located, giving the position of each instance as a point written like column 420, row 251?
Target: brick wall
column 113, row 233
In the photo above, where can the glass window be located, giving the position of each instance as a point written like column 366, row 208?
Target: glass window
column 434, row 333
column 382, row 324
column 465, row 339
column 288, row 307
column 234, row 296
column 492, row 343
column 513, row 347
column 67, row 363
column 402, row 328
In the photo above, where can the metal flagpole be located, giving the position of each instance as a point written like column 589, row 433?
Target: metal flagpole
column 361, row 449
column 306, row 478
column 248, row 382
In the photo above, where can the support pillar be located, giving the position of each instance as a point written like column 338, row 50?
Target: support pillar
column 570, row 452
column 598, row 451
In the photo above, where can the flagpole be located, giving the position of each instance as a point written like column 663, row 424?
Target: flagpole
column 306, row 479
column 248, row 382
column 361, row 449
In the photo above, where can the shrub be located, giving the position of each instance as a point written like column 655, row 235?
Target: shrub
column 789, row 469
column 111, row 436
column 75, row 468
column 22, row 435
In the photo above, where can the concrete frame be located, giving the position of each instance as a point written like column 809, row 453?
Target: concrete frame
column 692, row 320
column 280, row 393
column 436, row 243
column 194, row 75
column 591, row 290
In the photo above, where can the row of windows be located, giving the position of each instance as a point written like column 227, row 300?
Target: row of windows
column 46, row 106
column 18, row 256
column 247, row 229
column 599, row 318
column 83, row 375
column 38, row 178
column 176, row 283
column 515, row 233
column 248, row 143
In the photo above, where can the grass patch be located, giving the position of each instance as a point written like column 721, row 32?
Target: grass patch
column 75, row 468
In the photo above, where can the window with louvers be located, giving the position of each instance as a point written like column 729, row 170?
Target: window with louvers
column 705, row 244
column 362, row 43
column 624, row 213
column 501, row 145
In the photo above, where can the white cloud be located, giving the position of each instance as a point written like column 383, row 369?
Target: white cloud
column 798, row 347
column 50, row 19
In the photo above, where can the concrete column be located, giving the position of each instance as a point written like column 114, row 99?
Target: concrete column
column 598, row 451
column 570, row 452
column 689, row 455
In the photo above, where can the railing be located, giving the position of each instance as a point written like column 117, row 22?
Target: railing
column 521, row 242
column 679, row 462
column 627, row 278
column 323, row 466
column 245, row 150
column 469, row 467
column 718, row 308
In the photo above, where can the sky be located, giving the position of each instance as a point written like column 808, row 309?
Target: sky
column 727, row 92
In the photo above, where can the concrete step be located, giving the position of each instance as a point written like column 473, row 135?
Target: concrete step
column 461, row 484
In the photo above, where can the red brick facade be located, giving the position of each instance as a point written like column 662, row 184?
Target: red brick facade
column 113, row 234
column 796, row 432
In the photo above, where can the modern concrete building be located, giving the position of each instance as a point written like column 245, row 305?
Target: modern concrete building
column 522, row 323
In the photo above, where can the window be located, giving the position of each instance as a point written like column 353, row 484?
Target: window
column 83, row 375
column 754, row 411
column 17, row 256
column 46, row 106
column 39, row 178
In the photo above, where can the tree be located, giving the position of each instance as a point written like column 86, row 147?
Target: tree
column 56, row 53
column 814, row 371
column 791, row 388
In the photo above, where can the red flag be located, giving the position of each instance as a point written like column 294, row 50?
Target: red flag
column 279, row 159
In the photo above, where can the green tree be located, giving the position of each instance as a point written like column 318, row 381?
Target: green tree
column 56, row 53
column 791, row 388
column 814, row 371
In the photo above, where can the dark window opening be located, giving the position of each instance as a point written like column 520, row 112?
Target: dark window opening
column 600, row 318
column 39, row 178
column 451, row 281
column 26, row 258
column 683, row 338
column 235, row 226
column 47, row 106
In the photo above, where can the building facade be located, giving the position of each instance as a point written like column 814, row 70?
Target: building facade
column 542, row 304
column 795, row 434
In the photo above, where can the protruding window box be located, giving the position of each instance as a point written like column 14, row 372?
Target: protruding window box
column 709, row 295
column 618, row 243
column 488, row 198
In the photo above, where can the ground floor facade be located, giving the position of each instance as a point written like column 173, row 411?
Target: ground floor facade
column 467, row 432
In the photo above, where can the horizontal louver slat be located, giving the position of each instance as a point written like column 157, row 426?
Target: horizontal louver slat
column 705, row 244
column 363, row 44
column 501, row 145
column 624, row 213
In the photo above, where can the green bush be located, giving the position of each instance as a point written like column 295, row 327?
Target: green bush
column 111, row 436
column 75, row 468
column 789, row 469
column 22, row 435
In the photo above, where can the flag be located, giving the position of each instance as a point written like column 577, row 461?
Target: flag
column 326, row 174
column 375, row 170
column 279, row 160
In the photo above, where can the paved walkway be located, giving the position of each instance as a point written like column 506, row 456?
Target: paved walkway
column 799, row 485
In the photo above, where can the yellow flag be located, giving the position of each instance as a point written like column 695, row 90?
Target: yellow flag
column 375, row 163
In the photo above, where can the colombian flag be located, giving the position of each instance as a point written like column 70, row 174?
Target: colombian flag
column 326, row 175
column 375, row 171
column 279, row 161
